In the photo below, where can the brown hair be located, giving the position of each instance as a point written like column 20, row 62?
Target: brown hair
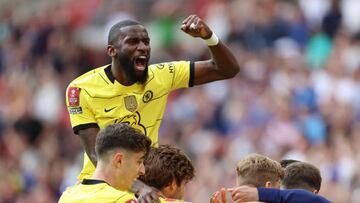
column 302, row 175
column 286, row 162
column 121, row 136
column 165, row 164
column 256, row 170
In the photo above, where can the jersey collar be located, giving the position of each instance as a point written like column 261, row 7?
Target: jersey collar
column 92, row 181
column 109, row 74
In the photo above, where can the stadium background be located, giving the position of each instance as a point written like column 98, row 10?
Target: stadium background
column 298, row 94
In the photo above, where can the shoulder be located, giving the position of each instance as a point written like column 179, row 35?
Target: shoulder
column 70, row 193
column 114, row 195
column 93, row 76
column 126, row 197
column 90, row 81
column 168, row 66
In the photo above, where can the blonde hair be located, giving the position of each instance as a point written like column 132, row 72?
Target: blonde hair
column 256, row 170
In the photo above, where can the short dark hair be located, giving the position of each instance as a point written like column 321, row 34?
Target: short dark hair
column 122, row 136
column 256, row 170
column 165, row 164
column 286, row 162
column 302, row 175
column 115, row 30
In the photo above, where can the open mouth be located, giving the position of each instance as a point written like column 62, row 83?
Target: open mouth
column 140, row 63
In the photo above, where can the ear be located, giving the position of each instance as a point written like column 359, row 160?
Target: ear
column 111, row 51
column 173, row 185
column 169, row 189
column 117, row 159
column 315, row 191
column 268, row 184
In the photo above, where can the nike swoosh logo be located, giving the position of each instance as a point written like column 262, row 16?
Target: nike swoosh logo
column 107, row 110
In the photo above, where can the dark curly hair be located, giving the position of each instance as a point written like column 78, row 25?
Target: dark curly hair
column 165, row 164
column 123, row 136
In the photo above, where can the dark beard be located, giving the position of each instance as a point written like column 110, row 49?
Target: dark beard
column 129, row 70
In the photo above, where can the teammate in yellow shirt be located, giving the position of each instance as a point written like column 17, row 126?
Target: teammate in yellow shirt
column 120, row 153
column 168, row 169
column 130, row 91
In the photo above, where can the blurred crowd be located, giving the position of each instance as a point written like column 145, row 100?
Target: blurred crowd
column 297, row 96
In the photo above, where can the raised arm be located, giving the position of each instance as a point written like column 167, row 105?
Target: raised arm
column 222, row 65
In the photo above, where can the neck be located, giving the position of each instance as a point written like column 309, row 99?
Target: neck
column 108, row 175
column 118, row 74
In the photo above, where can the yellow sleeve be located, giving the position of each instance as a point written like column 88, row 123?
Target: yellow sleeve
column 127, row 198
column 81, row 116
column 176, row 74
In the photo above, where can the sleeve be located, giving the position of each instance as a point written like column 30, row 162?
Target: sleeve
column 127, row 198
column 81, row 116
column 176, row 74
column 272, row 195
column 133, row 200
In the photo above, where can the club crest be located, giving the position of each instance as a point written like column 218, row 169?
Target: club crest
column 130, row 103
column 147, row 96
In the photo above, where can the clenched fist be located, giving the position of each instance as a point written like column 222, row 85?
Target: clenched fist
column 196, row 27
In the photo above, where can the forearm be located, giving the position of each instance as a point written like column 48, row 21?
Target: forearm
column 292, row 196
column 224, row 60
column 92, row 155
column 88, row 139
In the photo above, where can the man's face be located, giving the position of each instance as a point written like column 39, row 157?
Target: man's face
column 133, row 167
column 133, row 53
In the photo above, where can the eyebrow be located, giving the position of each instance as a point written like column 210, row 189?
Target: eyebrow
column 136, row 37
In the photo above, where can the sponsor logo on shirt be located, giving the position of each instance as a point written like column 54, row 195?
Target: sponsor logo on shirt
column 134, row 120
column 110, row 109
column 75, row 110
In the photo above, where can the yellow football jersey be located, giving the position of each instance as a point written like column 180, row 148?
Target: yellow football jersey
column 96, row 99
column 96, row 191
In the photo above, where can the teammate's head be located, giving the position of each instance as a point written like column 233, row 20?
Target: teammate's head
column 120, row 152
column 286, row 162
column 168, row 169
column 301, row 175
column 259, row 171
column 129, row 47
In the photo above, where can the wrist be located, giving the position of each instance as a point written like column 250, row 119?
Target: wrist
column 213, row 40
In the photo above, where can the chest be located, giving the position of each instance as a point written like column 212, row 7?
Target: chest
column 121, row 104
